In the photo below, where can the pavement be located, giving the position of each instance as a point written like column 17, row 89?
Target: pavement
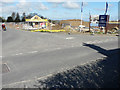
column 28, row 56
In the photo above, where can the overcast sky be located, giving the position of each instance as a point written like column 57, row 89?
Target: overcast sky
column 60, row 9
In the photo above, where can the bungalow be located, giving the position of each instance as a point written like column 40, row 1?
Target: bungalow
column 36, row 22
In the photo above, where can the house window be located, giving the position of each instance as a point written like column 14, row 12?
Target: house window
column 36, row 18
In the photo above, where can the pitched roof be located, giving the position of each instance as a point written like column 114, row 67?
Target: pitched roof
column 36, row 18
column 31, row 15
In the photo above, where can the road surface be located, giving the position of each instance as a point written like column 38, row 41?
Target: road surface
column 31, row 55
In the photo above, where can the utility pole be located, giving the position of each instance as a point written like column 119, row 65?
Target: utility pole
column 51, row 26
column 81, row 15
column 106, row 28
column 81, row 19
column 89, row 22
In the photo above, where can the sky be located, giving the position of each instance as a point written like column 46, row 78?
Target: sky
column 60, row 9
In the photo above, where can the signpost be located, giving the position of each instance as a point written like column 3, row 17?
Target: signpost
column 103, row 21
column 94, row 19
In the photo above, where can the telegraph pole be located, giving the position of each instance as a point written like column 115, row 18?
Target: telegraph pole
column 81, row 20
column 51, row 26
column 89, row 21
column 106, row 28
column 81, row 15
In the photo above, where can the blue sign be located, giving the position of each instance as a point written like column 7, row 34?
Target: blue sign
column 103, row 19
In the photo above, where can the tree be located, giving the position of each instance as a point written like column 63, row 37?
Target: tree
column 2, row 19
column 29, row 16
column 17, row 19
column 49, row 20
column 24, row 16
column 9, row 19
column 13, row 15
column 42, row 17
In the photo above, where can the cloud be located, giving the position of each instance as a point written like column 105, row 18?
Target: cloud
column 110, row 5
column 71, row 5
column 99, row 9
column 7, row 1
column 103, row 9
column 11, row 2
column 39, row 6
column 22, row 2
column 74, row 5
column 22, row 6
column 57, row 1
column 85, row 4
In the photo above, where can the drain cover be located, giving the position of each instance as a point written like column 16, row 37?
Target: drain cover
column 5, row 68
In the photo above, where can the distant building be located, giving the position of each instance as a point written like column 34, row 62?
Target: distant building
column 36, row 21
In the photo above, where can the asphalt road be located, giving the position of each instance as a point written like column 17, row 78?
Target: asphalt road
column 31, row 55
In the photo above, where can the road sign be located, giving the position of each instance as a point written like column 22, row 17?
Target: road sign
column 94, row 19
column 103, row 20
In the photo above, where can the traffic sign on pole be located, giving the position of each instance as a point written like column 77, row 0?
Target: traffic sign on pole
column 103, row 21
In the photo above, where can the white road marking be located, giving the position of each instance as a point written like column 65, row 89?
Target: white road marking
column 57, row 48
column 53, row 49
column 19, row 54
column 70, row 38
column 33, row 52
column 24, row 53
